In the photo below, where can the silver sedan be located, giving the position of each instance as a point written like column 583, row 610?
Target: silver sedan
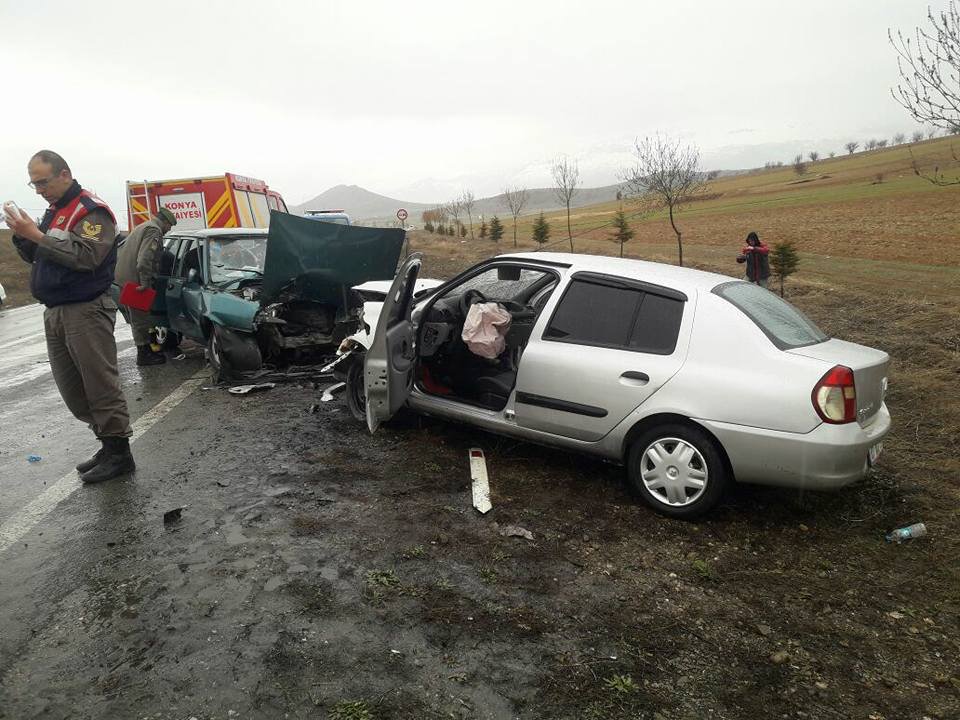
column 689, row 379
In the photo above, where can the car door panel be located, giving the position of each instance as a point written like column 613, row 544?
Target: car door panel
column 584, row 392
column 390, row 362
column 582, row 389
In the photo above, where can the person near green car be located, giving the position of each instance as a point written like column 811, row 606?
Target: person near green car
column 72, row 256
column 138, row 262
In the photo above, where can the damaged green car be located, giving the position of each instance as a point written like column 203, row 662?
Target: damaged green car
column 269, row 298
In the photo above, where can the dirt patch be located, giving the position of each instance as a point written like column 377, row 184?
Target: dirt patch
column 14, row 273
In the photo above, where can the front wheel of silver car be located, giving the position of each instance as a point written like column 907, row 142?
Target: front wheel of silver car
column 356, row 395
column 677, row 470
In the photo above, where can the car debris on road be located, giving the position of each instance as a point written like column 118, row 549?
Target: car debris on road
column 481, row 484
column 514, row 531
column 247, row 389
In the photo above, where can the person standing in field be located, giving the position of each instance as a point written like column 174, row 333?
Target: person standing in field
column 755, row 255
column 73, row 253
column 138, row 261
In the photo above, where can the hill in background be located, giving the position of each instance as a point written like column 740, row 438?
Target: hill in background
column 369, row 208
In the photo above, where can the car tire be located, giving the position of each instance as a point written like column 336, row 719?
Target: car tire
column 220, row 369
column 678, row 470
column 356, row 396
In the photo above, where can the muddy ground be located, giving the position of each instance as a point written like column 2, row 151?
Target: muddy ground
column 317, row 571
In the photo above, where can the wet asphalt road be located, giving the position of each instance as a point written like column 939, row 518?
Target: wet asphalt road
column 34, row 421
column 33, row 418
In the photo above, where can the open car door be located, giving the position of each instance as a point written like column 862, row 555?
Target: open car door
column 390, row 362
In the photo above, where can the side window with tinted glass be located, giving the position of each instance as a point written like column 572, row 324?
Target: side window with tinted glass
column 657, row 325
column 595, row 314
column 616, row 316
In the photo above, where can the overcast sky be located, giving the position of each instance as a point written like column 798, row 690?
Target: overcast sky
column 418, row 100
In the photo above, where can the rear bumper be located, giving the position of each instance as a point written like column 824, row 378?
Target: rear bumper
column 827, row 458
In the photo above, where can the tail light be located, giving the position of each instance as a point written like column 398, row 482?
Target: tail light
column 835, row 396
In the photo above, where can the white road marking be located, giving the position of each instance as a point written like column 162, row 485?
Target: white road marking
column 20, row 524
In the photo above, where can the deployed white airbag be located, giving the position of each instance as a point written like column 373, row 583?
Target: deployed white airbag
column 485, row 328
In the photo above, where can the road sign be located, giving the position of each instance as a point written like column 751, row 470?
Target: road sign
column 401, row 214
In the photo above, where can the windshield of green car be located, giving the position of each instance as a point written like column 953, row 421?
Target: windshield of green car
column 236, row 257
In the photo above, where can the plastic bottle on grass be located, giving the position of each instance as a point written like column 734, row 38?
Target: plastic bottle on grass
column 910, row 532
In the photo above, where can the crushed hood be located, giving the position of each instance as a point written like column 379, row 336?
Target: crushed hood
column 321, row 261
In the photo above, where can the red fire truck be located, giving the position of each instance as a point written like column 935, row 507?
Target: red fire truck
column 221, row 201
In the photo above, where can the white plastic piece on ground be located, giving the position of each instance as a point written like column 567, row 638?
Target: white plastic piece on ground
column 485, row 328
column 331, row 391
column 515, row 531
column 245, row 389
column 481, row 484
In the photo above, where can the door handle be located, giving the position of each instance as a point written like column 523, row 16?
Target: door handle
column 634, row 378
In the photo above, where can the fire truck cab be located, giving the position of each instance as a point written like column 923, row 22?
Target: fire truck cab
column 220, row 201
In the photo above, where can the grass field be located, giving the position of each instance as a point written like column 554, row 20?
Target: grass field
column 838, row 208
column 14, row 273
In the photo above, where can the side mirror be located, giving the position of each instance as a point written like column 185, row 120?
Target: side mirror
column 192, row 276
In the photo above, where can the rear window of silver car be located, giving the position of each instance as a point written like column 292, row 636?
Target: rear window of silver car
column 780, row 321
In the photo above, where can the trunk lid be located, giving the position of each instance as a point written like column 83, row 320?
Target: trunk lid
column 869, row 365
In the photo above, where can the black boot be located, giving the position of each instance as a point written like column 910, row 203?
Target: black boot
column 90, row 464
column 116, row 461
column 146, row 356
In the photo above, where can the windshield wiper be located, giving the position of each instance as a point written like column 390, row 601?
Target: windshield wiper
column 246, row 269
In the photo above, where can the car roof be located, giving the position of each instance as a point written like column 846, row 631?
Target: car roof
column 681, row 278
column 219, row 232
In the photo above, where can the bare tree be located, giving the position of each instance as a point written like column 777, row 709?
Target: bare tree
column 566, row 174
column 799, row 166
column 899, row 139
column 454, row 209
column 882, row 143
column 851, row 147
column 931, row 133
column 814, row 156
column 515, row 198
column 832, row 154
column 937, row 177
column 667, row 170
column 870, row 144
column 917, row 136
column 929, row 64
column 466, row 202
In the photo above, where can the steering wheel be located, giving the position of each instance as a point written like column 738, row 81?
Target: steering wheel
column 470, row 297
